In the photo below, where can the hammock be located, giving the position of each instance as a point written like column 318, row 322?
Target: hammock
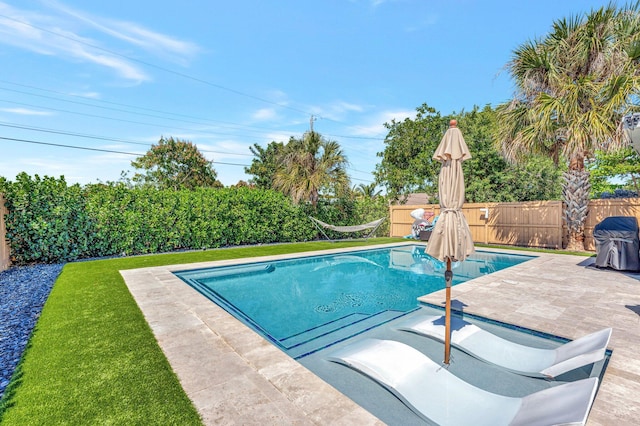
column 353, row 228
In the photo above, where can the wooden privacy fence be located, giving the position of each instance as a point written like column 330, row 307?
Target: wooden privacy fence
column 528, row 224
column 4, row 244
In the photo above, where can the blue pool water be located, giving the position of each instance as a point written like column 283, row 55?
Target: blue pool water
column 307, row 304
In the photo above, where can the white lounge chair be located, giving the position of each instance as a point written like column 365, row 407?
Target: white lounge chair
column 437, row 395
column 520, row 359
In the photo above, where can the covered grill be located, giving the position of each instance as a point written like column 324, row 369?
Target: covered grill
column 617, row 243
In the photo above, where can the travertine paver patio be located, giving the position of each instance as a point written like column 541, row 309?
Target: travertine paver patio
column 233, row 376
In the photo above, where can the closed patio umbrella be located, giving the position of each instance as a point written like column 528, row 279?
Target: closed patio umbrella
column 451, row 239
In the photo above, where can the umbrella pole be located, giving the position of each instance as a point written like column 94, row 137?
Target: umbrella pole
column 448, row 276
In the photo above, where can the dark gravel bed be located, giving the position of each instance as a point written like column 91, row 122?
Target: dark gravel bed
column 23, row 291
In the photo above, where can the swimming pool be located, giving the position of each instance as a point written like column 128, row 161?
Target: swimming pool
column 307, row 304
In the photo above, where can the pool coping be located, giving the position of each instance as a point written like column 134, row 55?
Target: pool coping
column 234, row 376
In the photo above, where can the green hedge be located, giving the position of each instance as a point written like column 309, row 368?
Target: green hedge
column 47, row 220
column 50, row 221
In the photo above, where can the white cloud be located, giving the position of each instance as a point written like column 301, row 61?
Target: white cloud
column 120, row 66
column 265, row 114
column 60, row 34
column 45, row 35
column 342, row 107
column 371, row 130
column 43, row 166
column 387, row 116
column 229, row 149
column 153, row 41
column 376, row 128
column 81, row 169
column 91, row 95
column 280, row 137
column 278, row 95
column 336, row 110
column 25, row 111
column 127, row 148
column 132, row 33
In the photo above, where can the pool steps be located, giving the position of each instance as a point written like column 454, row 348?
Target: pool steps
column 310, row 341
column 224, row 272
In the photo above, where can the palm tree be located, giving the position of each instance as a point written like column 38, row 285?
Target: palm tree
column 367, row 191
column 573, row 87
column 311, row 165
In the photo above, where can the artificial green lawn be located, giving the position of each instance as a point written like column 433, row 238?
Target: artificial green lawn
column 92, row 358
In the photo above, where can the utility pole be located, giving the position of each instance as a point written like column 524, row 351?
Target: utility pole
column 311, row 120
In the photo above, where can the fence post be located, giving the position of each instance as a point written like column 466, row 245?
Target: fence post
column 5, row 260
column 486, row 224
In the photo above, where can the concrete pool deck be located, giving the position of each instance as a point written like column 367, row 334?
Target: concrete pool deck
column 234, row 376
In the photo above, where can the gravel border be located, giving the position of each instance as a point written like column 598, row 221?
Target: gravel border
column 23, row 292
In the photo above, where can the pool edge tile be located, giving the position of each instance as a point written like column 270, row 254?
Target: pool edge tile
column 302, row 392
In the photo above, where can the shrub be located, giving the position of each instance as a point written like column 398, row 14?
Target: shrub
column 619, row 193
column 49, row 221
column 46, row 220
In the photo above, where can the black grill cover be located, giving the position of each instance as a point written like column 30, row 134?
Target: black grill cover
column 617, row 243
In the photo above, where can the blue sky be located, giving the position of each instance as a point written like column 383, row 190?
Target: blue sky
column 108, row 79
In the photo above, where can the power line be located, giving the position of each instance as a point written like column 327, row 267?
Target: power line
column 373, row 138
column 95, row 137
column 98, row 106
column 123, row 120
column 118, row 110
column 231, row 125
column 203, row 121
column 111, row 151
column 124, row 105
column 359, row 171
column 69, row 146
column 85, row 148
column 104, row 138
column 362, row 180
column 75, row 134
column 183, row 75
column 170, row 71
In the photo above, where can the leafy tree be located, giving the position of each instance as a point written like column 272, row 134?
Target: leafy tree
column 406, row 164
column 175, row 164
column 537, row 178
column 409, row 166
column 243, row 184
column 487, row 175
column 265, row 164
column 622, row 165
column 489, row 178
column 573, row 87
column 309, row 166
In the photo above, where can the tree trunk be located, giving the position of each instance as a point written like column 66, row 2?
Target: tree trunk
column 575, row 193
column 634, row 179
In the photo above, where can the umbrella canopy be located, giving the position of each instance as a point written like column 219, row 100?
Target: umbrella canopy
column 451, row 238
